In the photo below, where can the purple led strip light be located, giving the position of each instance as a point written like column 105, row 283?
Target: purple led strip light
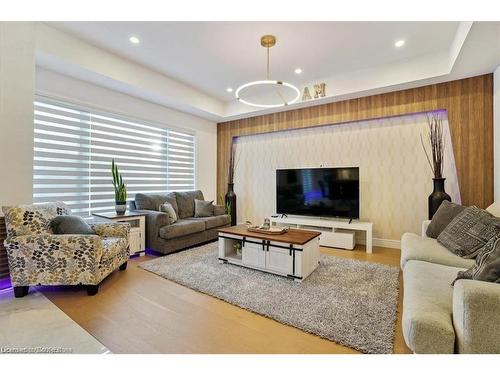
column 5, row 283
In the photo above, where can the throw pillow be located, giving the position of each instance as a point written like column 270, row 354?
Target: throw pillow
column 185, row 202
column 219, row 210
column 487, row 267
column 170, row 211
column 469, row 231
column 203, row 208
column 70, row 225
column 446, row 212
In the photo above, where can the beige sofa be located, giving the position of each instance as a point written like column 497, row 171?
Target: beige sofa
column 438, row 317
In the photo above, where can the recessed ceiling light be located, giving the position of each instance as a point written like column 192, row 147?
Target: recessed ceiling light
column 400, row 43
column 229, row 89
column 298, row 71
column 134, row 40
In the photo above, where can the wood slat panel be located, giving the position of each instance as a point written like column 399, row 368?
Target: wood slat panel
column 4, row 266
column 469, row 103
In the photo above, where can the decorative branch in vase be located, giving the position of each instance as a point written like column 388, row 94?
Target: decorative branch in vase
column 435, row 158
column 120, row 190
column 230, row 198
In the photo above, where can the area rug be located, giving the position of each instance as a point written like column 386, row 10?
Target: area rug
column 351, row 302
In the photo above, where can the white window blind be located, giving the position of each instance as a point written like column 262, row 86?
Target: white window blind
column 74, row 147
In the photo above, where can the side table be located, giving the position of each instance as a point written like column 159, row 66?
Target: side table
column 137, row 223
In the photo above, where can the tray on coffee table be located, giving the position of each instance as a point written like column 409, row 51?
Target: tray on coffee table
column 271, row 230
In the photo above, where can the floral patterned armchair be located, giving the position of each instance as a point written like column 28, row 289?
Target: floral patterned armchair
column 39, row 257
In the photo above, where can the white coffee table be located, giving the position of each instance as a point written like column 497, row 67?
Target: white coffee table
column 294, row 254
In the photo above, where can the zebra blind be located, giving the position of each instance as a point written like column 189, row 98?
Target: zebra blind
column 74, row 147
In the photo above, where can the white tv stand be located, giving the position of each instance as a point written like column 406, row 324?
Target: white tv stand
column 334, row 233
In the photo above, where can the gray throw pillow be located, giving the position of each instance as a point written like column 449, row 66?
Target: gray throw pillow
column 185, row 202
column 469, row 231
column 487, row 267
column 219, row 210
column 203, row 208
column 170, row 211
column 67, row 224
column 446, row 212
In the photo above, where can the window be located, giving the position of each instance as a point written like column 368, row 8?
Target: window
column 74, row 147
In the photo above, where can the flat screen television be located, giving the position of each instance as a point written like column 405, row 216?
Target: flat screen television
column 326, row 192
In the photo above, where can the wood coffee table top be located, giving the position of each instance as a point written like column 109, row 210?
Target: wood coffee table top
column 293, row 236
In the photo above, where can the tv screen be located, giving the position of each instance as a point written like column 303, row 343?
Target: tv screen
column 329, row 192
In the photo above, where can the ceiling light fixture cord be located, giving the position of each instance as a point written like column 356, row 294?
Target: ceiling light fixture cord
column 268, row 75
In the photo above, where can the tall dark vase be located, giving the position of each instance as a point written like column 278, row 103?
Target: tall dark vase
column 231, row 202
column 438, row 196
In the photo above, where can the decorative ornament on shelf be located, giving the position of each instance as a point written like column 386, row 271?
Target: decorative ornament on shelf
column 120, row 190
column 435, row 158
column 237, row 248
column 306, row 95
column 268, row 41
column 319, row 91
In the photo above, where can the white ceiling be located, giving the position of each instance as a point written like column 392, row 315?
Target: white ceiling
column 211, row 56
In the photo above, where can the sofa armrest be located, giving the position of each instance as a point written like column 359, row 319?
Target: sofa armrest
column 219, row 209
column 425, row 224
column 155, row 218
column 111, row 229
column 53, row 259
column 476, row 316
column 154, row 221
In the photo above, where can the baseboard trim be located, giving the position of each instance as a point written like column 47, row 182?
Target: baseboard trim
column 382, row 242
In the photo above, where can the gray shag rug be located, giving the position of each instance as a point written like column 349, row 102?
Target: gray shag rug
column 351, row 302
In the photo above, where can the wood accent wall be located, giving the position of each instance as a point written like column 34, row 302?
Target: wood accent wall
column 469, row 103
column 4, row 265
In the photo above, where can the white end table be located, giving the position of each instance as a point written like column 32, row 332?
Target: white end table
column 137, row 223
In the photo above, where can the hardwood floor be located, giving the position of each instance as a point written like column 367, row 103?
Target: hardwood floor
column 138, row 312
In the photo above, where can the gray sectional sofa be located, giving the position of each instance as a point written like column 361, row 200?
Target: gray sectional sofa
column 166, row 237
column 439, row 317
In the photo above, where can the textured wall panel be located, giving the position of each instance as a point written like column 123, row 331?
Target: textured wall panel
column 395, row 178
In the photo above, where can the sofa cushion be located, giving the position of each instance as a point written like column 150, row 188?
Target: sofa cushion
column 112, row 246
column 153, row 201
column 185, row 202
column 415, row 247
column 214, row 221
column 469, row 231
column 68, row 224
column 428, row 307
column 443, row 216
column 182, row 227
column 203, row 208
column 32, row 218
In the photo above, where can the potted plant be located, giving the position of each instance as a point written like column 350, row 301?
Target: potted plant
column 435, row 159
column 237, row 248
column 120, row 190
